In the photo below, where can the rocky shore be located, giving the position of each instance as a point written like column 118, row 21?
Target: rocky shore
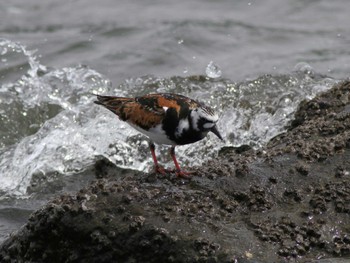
column 288, row 202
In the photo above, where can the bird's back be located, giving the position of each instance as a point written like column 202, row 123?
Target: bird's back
column 133, row 111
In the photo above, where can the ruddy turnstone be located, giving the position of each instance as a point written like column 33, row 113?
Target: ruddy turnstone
column 165, row 118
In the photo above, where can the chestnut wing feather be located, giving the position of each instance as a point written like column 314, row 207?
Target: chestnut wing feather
column 132, row 111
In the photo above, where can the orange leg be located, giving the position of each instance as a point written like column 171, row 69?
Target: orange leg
column 178, row 171
column 157, row 168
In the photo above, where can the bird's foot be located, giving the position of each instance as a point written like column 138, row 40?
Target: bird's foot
column 158, row 169
column 183, row 174
column 161, row 170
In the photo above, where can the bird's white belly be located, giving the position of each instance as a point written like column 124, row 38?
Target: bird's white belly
column 156, row 134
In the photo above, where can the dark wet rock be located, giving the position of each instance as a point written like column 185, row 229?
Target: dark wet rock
column 289, row 202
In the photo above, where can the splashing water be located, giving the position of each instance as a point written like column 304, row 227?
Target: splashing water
column 61, row 139
column 213, row 71
column 8, row 47
column 49, row 124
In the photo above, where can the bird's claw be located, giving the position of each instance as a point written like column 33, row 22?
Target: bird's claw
column 183, row 174
column 161, row 170
column 179, row 173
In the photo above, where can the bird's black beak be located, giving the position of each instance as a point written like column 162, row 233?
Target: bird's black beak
column 216, row 132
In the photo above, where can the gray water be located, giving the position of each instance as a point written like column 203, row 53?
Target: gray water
column 265, row 57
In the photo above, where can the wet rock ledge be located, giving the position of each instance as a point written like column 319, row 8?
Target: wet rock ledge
column 289, row 202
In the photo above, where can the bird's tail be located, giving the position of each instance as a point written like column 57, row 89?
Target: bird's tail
column 112, row 103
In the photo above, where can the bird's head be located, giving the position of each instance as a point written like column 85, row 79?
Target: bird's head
column 204, row 120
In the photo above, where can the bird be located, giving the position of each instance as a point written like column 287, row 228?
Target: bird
column 166, row 119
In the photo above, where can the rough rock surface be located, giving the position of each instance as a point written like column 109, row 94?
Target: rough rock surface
column 289, row 202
